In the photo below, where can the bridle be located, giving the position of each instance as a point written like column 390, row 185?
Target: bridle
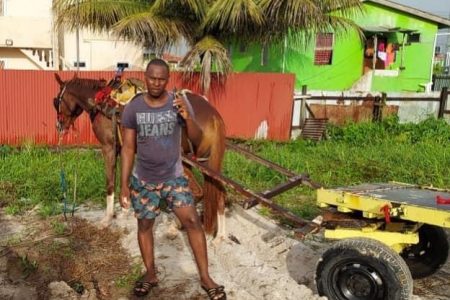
column 57, row 101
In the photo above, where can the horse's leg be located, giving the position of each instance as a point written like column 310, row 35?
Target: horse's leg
column 109, row 156
column 103, row 130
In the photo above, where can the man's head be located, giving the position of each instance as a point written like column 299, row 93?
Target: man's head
column 156, row 77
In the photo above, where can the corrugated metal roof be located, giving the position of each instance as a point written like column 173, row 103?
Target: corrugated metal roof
column 442, row 22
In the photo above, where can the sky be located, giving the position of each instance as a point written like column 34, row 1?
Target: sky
column 437, row 7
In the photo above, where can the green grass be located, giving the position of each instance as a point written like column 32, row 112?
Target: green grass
column 356, row 153
column 31, row 176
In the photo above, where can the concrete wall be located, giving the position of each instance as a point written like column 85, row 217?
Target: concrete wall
column 29, row 25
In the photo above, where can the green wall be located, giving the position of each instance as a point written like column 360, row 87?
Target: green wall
column 347, row 64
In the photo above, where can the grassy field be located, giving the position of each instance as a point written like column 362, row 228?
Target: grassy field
column 356, row 153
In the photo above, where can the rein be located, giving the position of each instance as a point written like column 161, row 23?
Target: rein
column 62, row 174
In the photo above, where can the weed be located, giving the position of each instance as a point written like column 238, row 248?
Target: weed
column 58, row 227
column 127, row 280
column 28, row 266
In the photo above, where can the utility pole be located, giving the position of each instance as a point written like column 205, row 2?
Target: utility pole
column 78, row 36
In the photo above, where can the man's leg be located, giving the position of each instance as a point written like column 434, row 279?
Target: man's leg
column 191, row 222
column 145, row 239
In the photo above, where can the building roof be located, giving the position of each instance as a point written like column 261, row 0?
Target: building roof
column 442, row 22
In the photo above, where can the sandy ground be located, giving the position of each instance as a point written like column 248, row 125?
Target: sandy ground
column 265, row 264
column 260, row 267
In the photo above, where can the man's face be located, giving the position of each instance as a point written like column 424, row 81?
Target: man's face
column 156, row 79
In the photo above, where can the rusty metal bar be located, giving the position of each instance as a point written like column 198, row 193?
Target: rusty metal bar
column 246, row 192
column 281, row 188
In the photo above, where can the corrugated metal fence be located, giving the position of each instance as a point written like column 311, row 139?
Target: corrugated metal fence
column 252, row 104
column 441, row 81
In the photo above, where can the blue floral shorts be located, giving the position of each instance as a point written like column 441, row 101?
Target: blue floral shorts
column 148, row 199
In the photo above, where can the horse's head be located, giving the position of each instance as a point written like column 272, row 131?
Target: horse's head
column 66, row 106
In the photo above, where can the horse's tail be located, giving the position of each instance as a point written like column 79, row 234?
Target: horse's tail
column 213, row 190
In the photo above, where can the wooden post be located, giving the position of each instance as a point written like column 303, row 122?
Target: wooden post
column 376, row 109
column 382, row 104
column 443, row 102
column 303, row 106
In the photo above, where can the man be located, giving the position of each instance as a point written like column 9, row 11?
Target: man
column 152, row 127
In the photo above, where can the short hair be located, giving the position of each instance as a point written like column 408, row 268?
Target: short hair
column 158, row 62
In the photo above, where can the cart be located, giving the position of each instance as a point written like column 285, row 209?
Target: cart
column 393, row 232
column 389, row 233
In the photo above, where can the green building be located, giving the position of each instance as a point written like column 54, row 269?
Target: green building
column 396, row 53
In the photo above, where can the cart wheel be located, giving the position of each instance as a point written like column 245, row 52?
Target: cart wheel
column 363, row 269
column 426, row 257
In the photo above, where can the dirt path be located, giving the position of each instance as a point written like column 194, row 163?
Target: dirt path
column 265, row 264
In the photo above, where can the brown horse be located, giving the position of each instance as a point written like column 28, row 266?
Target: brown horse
column 78, row 94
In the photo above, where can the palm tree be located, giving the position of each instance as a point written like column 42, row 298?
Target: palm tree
column 207, row 26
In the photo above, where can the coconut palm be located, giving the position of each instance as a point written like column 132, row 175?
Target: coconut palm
column 207, row 26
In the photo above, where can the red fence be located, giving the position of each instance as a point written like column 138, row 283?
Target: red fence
column 251, row 104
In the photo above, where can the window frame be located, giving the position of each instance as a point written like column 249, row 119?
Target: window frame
column 319, row 48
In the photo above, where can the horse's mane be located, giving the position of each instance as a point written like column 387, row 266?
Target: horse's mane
column 82, row 83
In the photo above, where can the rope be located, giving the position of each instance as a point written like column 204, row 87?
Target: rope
column 62, row 177
column 63, row 182
column 75, row 175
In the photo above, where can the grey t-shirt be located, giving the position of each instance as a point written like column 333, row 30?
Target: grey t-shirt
column 158, row 140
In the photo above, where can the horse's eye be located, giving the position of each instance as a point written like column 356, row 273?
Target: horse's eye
column 56, row 103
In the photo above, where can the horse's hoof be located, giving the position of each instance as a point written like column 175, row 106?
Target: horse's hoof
column 218, row 240
column 106, row 222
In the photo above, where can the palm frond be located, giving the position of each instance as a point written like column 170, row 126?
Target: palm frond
column 188, row 9
column 243, row 18
column 210, row 57
column 97, row 15
column 289, row 17
column 151, row 30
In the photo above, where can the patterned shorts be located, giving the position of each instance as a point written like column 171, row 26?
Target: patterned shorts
column 148, row 199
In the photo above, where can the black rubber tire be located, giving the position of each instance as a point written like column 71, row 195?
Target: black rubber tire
column 363, row 269
column 428, row 256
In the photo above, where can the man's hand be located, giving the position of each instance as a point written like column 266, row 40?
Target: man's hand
column 183, row 107
column 125, row 197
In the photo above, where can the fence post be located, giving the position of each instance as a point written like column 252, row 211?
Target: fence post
column 382, row 104
column 433, row 85
column 443, row 102
column 376, row 109
column 303, row 106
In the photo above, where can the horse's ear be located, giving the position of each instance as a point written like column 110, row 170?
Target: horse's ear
column 58, row 79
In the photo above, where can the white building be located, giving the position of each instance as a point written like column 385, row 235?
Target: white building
column 28, row 41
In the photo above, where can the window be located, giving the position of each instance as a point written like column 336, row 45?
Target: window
column 82, row 64
column 323, row 53
column 414, row 38
column 123, row 65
